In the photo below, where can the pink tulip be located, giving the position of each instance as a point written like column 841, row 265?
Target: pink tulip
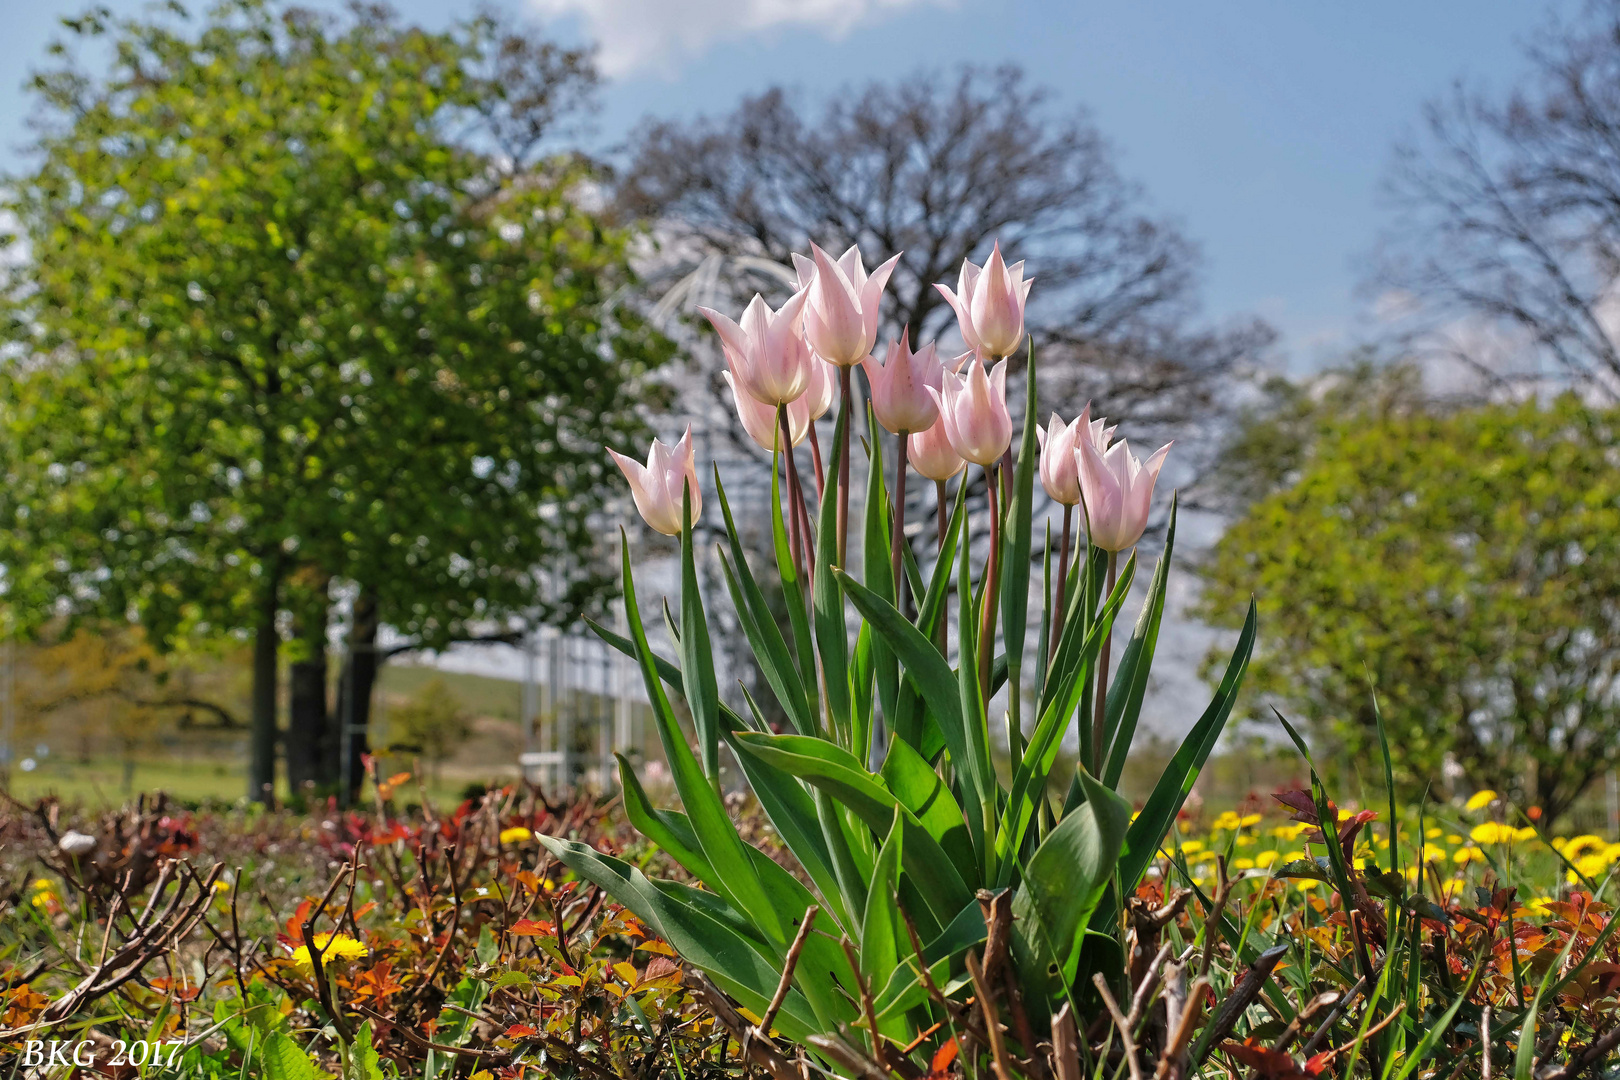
column 760, row 420
column 901, row 383
column 1060, row 475
column 840, row 321
column 932, row 455
column 772, row 359
column 973, row 408
column 989, row 305
column 659, row 485
column 1118, row 489
column 823, row 388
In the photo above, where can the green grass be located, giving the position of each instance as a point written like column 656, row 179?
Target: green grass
column 100, row 782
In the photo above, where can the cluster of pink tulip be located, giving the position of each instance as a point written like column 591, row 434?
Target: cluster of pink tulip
column 781, row 368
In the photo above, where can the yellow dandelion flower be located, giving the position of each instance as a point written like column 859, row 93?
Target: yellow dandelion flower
column 1192, row 847
column 1479, row 800
column 515, row 835
column 1577, row 847
column 1433, row 832
column 1590, row 865
column 1243, row 864
column 1492, row 832
column 1227, row 822
column 1453, row 838
column 1466, row 855
column 1526, row 833
column 1249, row 819
column 331, row 947
column 1266, row 858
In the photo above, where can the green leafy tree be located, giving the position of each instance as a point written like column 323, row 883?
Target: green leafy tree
column 285, row 325
column 1466, row 566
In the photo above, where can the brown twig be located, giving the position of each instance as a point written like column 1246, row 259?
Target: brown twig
column 153, row 935
column 1126, row 1041
column 1333, row 1017
column 992, row 1024
column 322, row 987
column 1593, row 1054
column 1312, row 1007
column 1212, row 921
column 762, row 1052
column 1173, row 1062
column 1065, row 1045
column 788, row 965
column 1243, row 995
column 868, row 1006
column 831, row 1046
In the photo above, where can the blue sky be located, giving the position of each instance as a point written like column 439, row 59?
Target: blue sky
column 1264, row 128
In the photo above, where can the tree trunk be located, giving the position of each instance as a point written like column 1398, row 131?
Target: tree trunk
column 266, row 649
column 359, row 677
column 311, row 757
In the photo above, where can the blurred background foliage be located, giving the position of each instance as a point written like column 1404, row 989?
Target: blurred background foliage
column 1461, row 567
column 315, row 324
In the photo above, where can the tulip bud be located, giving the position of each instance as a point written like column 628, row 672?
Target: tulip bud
column 900, row 386
column 840, row 320
column 772, row 360
column 1118, row 490
column 658, row 486
column 760, row 420
column 931, row 454
column 973, row 408
column 1060, row 475
column 989, row 305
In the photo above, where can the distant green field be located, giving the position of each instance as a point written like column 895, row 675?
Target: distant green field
column 100, row 782
column 480, row 695
column 209, row 766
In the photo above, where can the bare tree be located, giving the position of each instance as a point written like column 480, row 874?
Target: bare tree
column 1508, row 226
column 940, row 168
column 535, row 91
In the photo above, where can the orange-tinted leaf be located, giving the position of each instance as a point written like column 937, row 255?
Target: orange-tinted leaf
column 532, row 928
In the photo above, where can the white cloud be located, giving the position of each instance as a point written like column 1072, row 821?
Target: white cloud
column 639, row 34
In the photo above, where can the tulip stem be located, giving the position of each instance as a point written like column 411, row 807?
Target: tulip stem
column 815, row 456
column 990, row 593
column 797, row 535
column 1100, row 722
column 845, row 403
column 943, row 631
column 1060, row 609
column 897, row 525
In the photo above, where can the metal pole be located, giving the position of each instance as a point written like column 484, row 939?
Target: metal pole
column 530, row 691
column 562, row 700
column 345, row 725
column 1614, row 804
